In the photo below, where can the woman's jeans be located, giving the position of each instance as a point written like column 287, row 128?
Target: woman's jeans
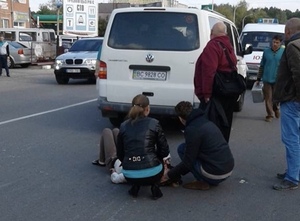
column 196, row 169
column 290, row 135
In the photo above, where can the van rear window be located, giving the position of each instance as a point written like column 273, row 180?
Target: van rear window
column 259, row 40
column 154, row 31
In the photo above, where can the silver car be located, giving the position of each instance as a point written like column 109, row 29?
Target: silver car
column 79, row 62
column 20, row 55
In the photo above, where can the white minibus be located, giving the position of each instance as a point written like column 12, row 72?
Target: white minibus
column 153, row 51
column 41, row 40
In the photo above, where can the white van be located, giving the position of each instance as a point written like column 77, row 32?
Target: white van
column 153, row 51
column 41, row 40
column 259, row 35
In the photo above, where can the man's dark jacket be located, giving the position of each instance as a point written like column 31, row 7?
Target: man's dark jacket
column 204, row 142
column 287, row 86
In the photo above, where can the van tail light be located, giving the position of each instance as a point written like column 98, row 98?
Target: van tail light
column 20, row 51
column 102, row 74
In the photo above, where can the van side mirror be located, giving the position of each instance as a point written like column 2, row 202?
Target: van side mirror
column 248, row 49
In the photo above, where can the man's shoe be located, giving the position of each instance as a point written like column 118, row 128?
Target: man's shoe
column 277, row 113
column 285, row 185
column 197, row 185
column 268, row 118
column 97, row 163
column 281, row 176
column 8, row 75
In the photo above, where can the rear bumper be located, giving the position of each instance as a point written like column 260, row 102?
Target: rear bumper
column 113, row 109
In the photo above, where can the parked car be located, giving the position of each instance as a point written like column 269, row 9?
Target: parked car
column 20, row 55
column 79, row 62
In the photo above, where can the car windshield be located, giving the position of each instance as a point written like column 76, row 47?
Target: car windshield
column 258, row 40
column 16, row 44
column 155, row 31
column 86, row 45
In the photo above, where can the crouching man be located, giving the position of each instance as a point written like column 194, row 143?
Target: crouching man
column 205, row 152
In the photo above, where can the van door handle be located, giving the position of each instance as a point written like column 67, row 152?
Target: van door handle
column 148, row 94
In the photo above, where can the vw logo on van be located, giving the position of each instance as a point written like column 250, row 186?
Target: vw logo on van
column 149, row 58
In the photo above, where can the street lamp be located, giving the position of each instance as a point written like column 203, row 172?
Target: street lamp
column 243, row 23
column 234, row 11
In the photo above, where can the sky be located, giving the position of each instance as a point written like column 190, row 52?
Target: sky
column 282, row 4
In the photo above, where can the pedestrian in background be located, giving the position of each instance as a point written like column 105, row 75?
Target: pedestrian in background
column 267, row 73
column 287, row 92
column 4, row 55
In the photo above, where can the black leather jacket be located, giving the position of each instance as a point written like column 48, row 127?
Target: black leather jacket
column 141, row 144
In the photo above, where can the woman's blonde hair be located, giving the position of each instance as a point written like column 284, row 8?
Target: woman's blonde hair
column 139, row 104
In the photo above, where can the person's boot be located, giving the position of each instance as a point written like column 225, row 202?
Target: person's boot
column 134, row 190
column 156, row 192
column 197, row 185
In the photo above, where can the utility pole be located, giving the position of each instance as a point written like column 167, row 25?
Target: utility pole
column 58, row 6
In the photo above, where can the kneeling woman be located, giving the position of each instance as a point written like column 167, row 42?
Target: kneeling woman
column 141, row 147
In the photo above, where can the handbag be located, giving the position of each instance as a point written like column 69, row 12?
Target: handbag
column 228, row 84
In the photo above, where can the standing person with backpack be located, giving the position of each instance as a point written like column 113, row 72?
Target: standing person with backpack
column 217, row 56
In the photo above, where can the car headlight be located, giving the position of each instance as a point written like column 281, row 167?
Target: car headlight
column 90, row 61
column 59, row 62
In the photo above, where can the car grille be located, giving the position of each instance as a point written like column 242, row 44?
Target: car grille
column 76, row 61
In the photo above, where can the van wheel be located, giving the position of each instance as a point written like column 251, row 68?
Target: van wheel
column 240, row 103
column 61, row 80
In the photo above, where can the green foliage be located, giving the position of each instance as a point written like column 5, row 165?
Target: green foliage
column 102, row 23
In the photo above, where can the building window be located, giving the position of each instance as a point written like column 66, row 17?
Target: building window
column 19, row 24
column 5, row 23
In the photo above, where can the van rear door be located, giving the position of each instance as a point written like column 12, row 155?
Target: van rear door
column 154, row 53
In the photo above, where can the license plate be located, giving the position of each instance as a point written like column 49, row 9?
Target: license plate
column 252, row 77
column 73, row 70
column 149, row 75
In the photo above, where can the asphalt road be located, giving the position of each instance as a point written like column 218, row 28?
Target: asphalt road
column 50, row 135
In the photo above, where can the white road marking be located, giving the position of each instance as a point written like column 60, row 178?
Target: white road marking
column 46, row 112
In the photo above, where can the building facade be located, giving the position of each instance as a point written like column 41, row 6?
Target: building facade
column 14, row 14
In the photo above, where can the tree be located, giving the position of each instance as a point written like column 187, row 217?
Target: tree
column 48, row 8
column 102, row 23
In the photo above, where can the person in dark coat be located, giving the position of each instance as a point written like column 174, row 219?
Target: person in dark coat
column 213, row 59
column 142, row 148
column 205, row 153
column 287, row 93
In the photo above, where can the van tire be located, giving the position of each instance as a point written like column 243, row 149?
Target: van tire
column 240, row 103
column 61, row 80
